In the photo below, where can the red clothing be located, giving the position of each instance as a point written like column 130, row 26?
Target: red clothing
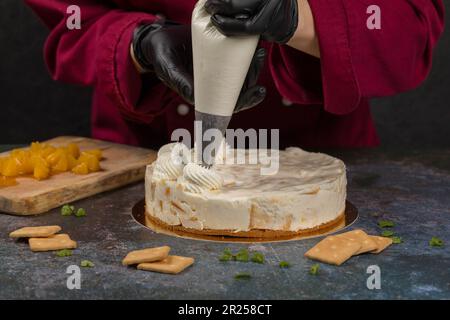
column 314, row 103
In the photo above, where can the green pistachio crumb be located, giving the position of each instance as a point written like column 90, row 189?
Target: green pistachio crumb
column 226, row 256
column 386, row 224
column 436, row 242
column 242, row 255
column 387, row 233
column 243, row 276
column 87, row 264
column 258, row 257
column 314, row 270
column 81, row 213
column 397, row 240
column 284, row 264
column 64, row 253
column 67, row 210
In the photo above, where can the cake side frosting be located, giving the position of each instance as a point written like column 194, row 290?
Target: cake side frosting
column 308, row 190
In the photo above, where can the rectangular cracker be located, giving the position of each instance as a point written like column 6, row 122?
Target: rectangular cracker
column 171, row 264
column 382, row 243
column 146, row 255
column 55, row 242
column 366, row 242
column 333, row 250
column 35, row 232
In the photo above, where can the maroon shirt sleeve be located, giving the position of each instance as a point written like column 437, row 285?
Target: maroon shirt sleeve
column 357, row 62
column 97, row 54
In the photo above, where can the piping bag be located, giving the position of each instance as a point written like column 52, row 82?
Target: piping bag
column 221, row 65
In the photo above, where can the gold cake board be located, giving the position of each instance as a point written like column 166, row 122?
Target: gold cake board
column 343, row 221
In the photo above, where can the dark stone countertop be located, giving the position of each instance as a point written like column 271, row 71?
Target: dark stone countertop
column 411, row 188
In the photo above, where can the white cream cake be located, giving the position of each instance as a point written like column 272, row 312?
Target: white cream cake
column 307, row 193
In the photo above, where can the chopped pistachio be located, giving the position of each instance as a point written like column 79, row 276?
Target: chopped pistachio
column 80, row 213
column 385, row 224
column 226, row 256
column 243, row 276
column 87, row 264
column 258, row 257
column 284, row 264
column 67, row 210
column 314, row 270
column 242, row 255
column 387, row 233
column 396, row 240
column 436, row 242
column 64, row 253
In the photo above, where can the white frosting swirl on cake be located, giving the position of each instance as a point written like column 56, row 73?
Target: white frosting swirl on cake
column 175, row 163
column 167, row 169
column 197, row 179
column 172, row 158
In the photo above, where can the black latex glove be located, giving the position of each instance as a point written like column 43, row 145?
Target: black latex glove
column 274, row 20
column 166, row 49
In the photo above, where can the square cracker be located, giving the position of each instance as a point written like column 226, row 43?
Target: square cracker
column 333, row 250
column 366, row 241
column 56, row 242
column 171, row 264
column 146, row 255
column 35, row 232
column 382, row 243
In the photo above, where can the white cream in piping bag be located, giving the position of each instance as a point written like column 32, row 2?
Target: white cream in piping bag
column 220, row 64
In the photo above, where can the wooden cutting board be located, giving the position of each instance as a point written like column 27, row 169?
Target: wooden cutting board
column 121, row 165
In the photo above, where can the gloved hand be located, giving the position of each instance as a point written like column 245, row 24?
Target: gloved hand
column 166, row 49
column 274, row 20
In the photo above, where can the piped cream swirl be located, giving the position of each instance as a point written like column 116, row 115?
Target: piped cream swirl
column 167, row 169
column 197, row 179
column 170, row 163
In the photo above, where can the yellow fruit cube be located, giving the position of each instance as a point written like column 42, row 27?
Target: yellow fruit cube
column 10, row 167
column 62, row 165
column 71, row 162
column 73, row 150
column 91, row 161
column 96, row 152
column 41, row 169
column 81, row 168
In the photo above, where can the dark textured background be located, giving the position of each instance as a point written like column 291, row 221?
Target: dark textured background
column 35, row 108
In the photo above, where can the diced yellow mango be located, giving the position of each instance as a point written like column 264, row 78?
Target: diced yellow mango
column 73, row 150
column 54, row 157
column 41, row 159
column 41, row 169
column 45, row 152
column 10, row 167
column 96, row 152
column 91, row 161
column 71, row 162
column 62, row 165
column 81, row 168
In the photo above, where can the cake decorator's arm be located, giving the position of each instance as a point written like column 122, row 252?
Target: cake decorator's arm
column 97, row 54
column 367, row 48
column 165, row 48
